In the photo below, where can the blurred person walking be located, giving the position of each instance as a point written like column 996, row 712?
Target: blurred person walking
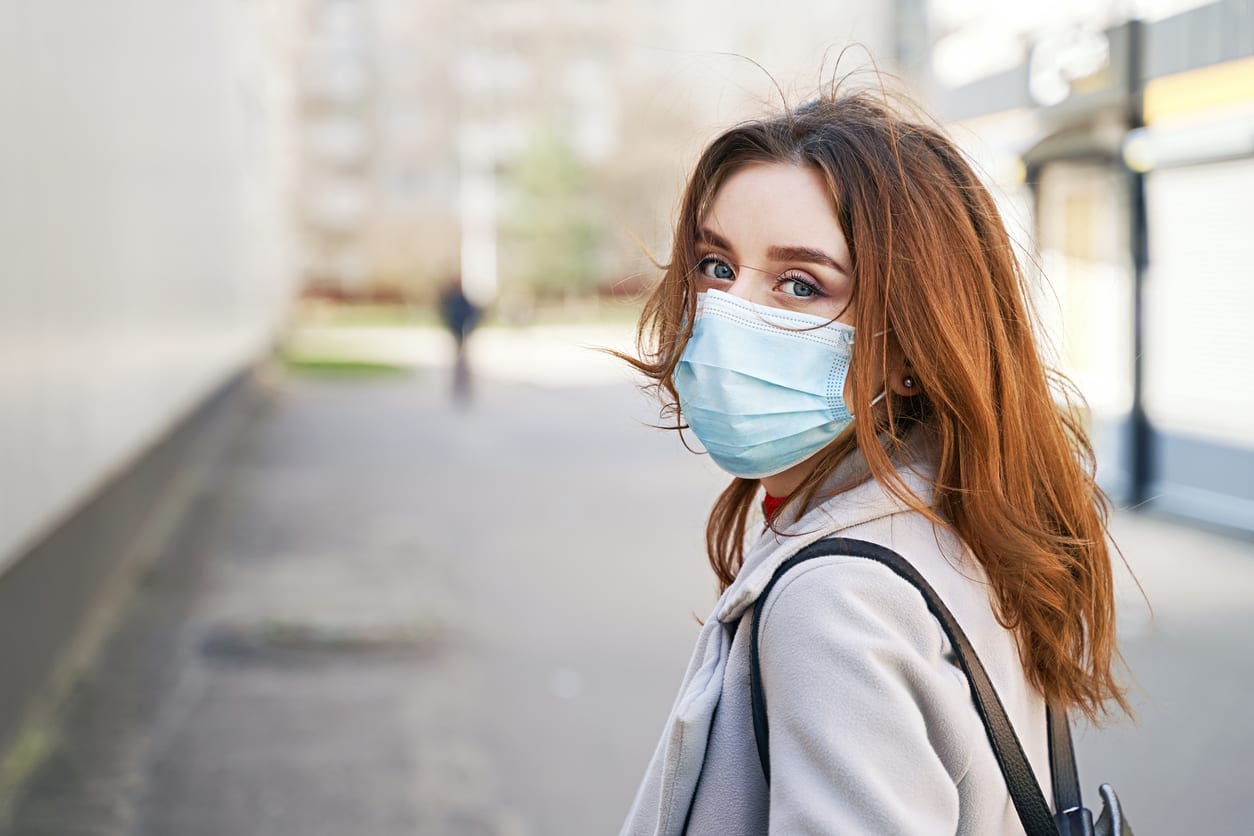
column 460, row 316
column 844, row 327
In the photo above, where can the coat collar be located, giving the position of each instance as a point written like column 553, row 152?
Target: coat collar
column 868, row 500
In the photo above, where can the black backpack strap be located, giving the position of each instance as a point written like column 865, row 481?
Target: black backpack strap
column 1025, row 792
column 1069, row 811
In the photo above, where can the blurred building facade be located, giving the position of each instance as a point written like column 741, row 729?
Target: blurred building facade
column 146, row 180
column 377, row 137
column 336, row 69
column 1123, row 149
column 531, row 146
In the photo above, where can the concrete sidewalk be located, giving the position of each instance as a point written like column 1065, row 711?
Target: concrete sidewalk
column 286, row 666
column 376, row 604
column 1185, row 765
column 389, row 615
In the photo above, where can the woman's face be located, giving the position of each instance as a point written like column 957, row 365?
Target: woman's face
column 771, row 237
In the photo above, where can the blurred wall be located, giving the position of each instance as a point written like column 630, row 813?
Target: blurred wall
column 144, row 244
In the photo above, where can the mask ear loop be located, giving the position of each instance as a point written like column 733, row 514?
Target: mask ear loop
column 884, row 392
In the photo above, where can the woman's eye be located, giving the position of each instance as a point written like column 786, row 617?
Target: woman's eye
column 798, row 288
column 714, row 268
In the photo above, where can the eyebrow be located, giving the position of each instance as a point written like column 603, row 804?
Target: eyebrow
column 714, row 239
column 806, row 254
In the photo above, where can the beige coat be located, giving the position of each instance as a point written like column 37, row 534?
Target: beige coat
column 873, row 730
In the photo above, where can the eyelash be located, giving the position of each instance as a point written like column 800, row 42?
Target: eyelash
column 800, row 279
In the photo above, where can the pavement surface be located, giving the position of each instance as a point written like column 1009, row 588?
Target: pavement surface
column 388, row 613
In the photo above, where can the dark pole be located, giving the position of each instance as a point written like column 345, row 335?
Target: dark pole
column 1141, row 458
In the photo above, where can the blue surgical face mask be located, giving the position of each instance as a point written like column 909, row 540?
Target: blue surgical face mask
column 762, row 388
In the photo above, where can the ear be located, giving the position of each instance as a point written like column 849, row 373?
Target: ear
column 904, row 382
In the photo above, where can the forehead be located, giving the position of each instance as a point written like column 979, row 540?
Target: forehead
column 776, row 203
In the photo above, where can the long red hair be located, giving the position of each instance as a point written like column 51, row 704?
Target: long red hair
column 933, row 270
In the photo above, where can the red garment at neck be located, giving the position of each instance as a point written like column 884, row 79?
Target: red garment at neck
column 771, row 505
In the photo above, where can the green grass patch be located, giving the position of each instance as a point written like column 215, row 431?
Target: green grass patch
column 340, row 368
column 23, row 758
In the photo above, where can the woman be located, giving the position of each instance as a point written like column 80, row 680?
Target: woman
column 935, row 433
